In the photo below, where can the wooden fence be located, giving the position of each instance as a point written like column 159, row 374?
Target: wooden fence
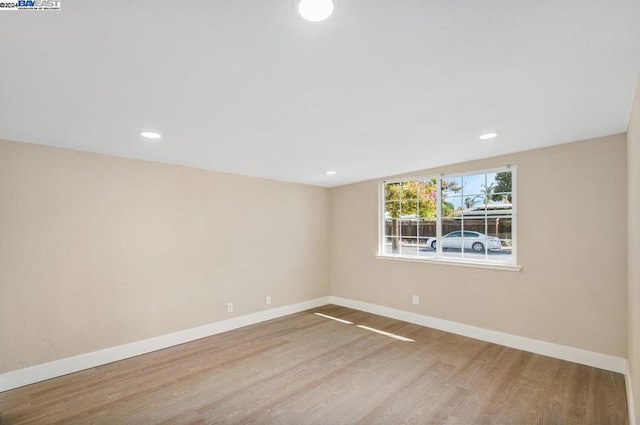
column 408, row 229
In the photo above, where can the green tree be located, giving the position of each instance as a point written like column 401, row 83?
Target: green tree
column 502, row 191
column 448, row 186
column 414, row 198
column 470, row 201
column 447, row 208
column 488, row 191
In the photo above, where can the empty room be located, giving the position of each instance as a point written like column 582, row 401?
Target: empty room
column 320, row 212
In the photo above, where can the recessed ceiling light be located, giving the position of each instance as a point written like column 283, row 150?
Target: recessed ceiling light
column 315, row 10
column 330, row 173
column 488, row 136
column 150, row 135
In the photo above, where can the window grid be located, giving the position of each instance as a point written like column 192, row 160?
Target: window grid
column 406, row 226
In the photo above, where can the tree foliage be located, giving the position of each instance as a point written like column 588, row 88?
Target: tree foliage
column 411, row 198
column 503, row 184
column 417, row 198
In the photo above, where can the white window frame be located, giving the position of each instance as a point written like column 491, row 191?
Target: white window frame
column 438, row 257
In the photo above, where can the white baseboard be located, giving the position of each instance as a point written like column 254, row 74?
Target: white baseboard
column 563, row 352
column 42, row 372
column 630, row 399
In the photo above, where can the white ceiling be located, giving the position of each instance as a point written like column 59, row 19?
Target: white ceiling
column 382, row 87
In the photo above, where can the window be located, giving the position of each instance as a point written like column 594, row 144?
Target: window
column 460, row 217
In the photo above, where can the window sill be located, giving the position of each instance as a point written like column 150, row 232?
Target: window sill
column 453, row 262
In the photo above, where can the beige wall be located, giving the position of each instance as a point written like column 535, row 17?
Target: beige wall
column 97, row 251
column 572, row 221
column 633, row 158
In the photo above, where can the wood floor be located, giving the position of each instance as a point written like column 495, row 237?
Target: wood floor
column 307, row 369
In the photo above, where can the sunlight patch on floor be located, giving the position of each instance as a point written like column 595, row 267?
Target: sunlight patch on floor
column 326, row 316
column 378, row 331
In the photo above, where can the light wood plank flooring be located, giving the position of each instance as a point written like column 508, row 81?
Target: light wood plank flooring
column 306, row 369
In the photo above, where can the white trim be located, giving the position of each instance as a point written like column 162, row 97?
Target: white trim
column 514, row 213
column 381, row 221
column 438, row 219
column 563, row 352
column 42, row 372
column 453, row 262
column 630, row 399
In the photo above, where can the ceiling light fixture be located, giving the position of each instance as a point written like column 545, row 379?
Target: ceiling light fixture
column 315, row 10
column 488, row 136
column 331, row 173
column 150, row 135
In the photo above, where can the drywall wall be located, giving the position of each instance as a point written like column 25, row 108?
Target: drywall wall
column 98, row 251
column 633, row 184
column 572, row 221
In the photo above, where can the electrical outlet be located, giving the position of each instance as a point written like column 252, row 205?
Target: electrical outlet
column 268, row 299
column 229, row 307
column 416, row 300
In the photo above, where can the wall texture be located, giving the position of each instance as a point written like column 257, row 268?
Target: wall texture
column 572, row 241
column 633, row 158
column 98, row 251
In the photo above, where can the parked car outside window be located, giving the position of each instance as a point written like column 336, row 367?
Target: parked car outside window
column 475, row 241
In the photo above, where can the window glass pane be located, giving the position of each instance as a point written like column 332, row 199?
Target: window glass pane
column 451, row 186
column 391, row 245
column 408, row 209
column 502, row 191
column 427, row 230
column 452, row 237
column 473, row 184
column 409, row 190
column 472, row 202
column 391, row 212
column 427, row 246
column 392, row 192
column 427, row 210
column 409, row 246
column 497, row 203
column 427, row 198
column 500, row 227
column 408, row 236
column 451, row 206
column 475, row 237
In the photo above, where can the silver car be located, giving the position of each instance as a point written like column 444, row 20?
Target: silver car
column 467, row 239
